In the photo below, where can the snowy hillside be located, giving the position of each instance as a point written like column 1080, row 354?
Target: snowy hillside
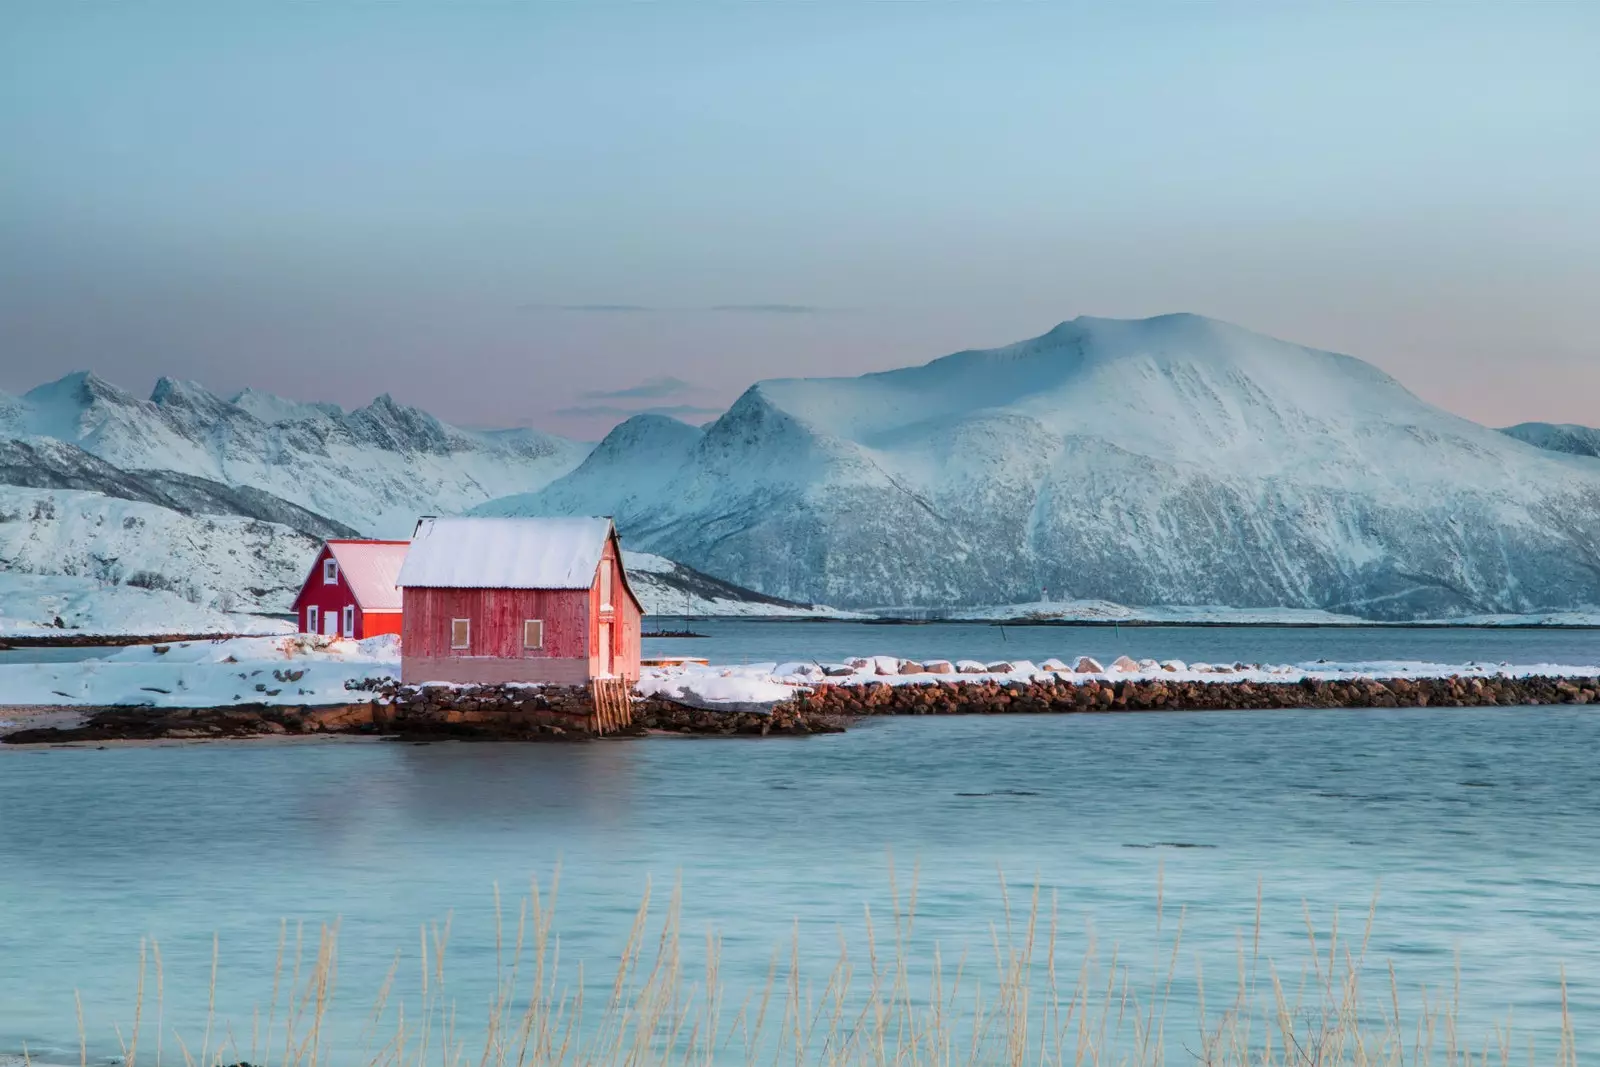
column 374, row 469
column 667, row 588
column 1175, row 460
column 223, row 563
column 1558, row 437
column 39, row 605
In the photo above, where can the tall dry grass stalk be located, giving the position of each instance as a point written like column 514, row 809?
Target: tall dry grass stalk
column 888, row 1001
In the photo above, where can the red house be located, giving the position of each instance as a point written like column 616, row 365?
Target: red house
column 517, row 600
column 351, row 590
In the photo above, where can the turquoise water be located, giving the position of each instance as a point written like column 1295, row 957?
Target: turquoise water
column 745, row 641
column 1480, row 825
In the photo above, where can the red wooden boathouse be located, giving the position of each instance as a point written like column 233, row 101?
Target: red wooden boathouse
column 351, row 590
column 517, row 600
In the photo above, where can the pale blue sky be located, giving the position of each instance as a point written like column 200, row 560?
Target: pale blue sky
column 503, row 211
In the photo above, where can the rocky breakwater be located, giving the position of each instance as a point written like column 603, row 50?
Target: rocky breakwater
column 936, row 693
column 487, row 712
column 515, row 713
column 788, row 719
column 201, row 724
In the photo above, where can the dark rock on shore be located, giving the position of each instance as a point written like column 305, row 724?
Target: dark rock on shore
column 566, row 713
column 948, row 697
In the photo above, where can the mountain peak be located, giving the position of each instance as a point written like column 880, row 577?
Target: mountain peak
column 181, row 391
column 271, row 408
column 81, row 388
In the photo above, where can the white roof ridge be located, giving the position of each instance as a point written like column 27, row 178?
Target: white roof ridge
column 506, row 553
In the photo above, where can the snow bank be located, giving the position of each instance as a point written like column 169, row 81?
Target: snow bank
column 247, row 670
column 765, row 684
column 31, row 603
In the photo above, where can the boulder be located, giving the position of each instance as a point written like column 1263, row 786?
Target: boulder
column 938, row 666
column 1086, row 665
column 970, row 666
column 1000, row 667
column 1124, row 665
column 911, row 666
column 1054, row 665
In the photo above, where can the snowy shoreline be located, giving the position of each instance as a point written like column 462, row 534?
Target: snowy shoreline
column 303, row 672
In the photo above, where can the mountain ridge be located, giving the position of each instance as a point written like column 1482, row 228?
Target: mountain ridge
column 1161, row 461
column 372, row 469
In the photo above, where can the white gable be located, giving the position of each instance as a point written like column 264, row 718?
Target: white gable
column 505, row 553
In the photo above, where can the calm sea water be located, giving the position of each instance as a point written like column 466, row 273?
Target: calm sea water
column 1480, row 827
column 746, row 641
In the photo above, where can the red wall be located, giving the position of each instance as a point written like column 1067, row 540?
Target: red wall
column 624, row 619
column 571, row 618
column 334, row 598
column 497, row 616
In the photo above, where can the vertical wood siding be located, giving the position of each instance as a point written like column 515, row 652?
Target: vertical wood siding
column 572, row 619
column 497, row 616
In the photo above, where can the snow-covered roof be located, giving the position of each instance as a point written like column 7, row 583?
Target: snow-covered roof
column 495, row 553
column 370, row 569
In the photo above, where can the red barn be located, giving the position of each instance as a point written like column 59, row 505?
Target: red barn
column 351, row 590
column 517, row 600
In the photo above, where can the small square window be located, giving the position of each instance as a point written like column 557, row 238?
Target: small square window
column 330, row 572
column 533, row 633
column 460, row 633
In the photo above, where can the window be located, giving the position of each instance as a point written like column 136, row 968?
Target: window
column 311, row 619
column 533, row 633
column 330, row 571
column 605, row 583
column 349, row 620
column 460, row 633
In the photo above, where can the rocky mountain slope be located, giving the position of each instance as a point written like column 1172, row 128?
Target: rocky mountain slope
column 1558, row 437
column 374, row 469
column 1174, row 460
column 219, row 505
column 668, row 588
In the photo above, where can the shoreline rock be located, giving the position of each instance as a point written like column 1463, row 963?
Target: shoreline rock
column 564, row 713
column 1057, row 696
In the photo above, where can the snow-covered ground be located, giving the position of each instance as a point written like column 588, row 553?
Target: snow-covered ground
column 202, row 674
column 30, row 604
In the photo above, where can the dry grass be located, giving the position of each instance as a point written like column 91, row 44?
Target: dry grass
column 885, row 1002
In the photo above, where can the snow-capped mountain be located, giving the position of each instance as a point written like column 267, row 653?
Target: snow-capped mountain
column 1173, row 460
column 1558, row 437
column 374, row 469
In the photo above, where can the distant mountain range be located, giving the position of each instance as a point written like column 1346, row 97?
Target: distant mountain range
column 1173, row 460
column 374, row 469
column 1167, row 461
